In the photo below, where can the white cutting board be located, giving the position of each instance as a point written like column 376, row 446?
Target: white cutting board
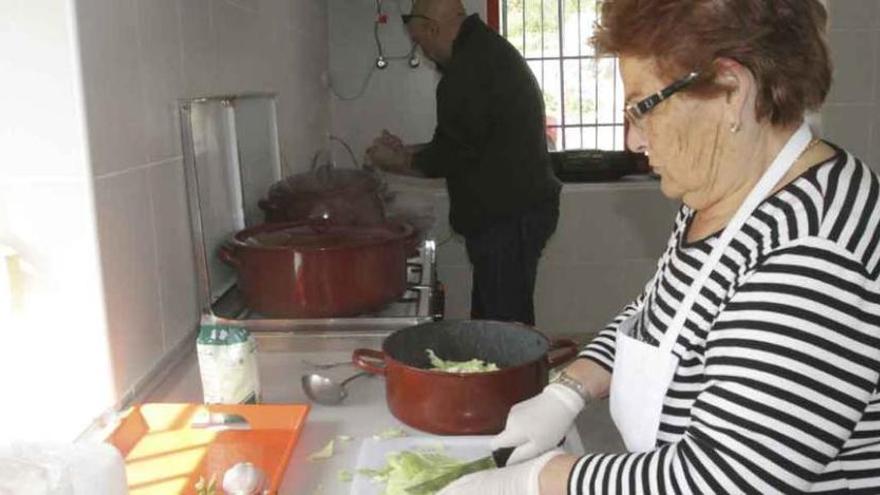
column 373, row 452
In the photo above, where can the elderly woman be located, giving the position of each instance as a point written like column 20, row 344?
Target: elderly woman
column 750, row 362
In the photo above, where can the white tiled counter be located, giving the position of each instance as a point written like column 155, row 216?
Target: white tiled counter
column 282, row 360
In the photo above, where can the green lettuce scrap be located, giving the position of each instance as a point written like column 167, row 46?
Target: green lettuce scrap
column 409, row 468
column 206, row 488
column 389, row 433
column 324, row 453
column 472, row 366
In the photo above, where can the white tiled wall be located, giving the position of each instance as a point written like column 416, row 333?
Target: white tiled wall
column 138, row 58
column 851, row 117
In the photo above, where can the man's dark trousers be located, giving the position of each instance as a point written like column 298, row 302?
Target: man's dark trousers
column 505, row 264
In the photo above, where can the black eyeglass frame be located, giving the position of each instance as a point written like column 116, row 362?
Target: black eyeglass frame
column 408, row 17
column 638, row 110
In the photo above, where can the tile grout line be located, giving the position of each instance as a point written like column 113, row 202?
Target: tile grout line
column 166, row 161
column 143, row 387
column 156, row 269
column 243, row 7
column 141, row 72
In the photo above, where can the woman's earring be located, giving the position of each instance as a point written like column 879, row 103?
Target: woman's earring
column 734, row 127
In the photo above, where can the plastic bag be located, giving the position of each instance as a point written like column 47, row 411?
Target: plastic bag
column 228, row 364
column 61, row 469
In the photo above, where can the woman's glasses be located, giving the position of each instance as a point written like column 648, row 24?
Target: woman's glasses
column 408, row 17
column 636, row 111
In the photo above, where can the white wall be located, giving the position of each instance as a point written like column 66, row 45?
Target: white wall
column 54, row 363
column 398, row 98
column 138, row 58
column 851, row 117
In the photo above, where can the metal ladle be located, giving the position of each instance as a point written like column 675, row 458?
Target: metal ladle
column 324, row 390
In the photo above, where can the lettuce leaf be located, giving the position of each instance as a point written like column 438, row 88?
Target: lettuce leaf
column 472, row 366
column 409, row 468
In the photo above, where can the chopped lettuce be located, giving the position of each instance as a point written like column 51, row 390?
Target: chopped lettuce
column 325, row 453
column 206, row 488
column 389, row 433
column 376, row 475
column 409, row 468
column 472, row 366
column 345, row 475
column 344, row 438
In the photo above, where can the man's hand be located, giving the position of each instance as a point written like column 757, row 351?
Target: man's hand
column 390, row 140
column 389, row 153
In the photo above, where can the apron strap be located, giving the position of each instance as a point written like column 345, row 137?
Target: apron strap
column 786, row 158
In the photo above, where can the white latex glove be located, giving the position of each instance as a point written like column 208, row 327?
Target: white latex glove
column 536, row 425
column 518, row 479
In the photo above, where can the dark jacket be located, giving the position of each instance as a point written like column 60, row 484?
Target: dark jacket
column 489, row 142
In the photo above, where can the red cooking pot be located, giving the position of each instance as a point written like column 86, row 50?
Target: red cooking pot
column 463, row 403
column 306, row 270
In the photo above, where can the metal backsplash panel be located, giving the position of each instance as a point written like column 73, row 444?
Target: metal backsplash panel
column 231, row 158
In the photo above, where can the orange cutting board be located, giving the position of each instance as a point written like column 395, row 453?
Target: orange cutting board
column 164, row 456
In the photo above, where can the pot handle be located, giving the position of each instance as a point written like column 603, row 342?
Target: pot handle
column 561, row 351
column 266, row 204
column 360, row 359
column 226, row 253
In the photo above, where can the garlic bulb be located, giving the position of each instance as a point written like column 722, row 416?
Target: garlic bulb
column 243, row 479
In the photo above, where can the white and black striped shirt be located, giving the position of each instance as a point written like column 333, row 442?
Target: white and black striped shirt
column 777, row 385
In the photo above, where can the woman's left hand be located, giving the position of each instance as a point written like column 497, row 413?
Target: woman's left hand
column 518, row 479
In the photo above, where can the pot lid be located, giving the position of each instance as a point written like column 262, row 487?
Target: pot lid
column 325, row 180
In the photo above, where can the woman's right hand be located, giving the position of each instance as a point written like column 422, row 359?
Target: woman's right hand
column 536, row 425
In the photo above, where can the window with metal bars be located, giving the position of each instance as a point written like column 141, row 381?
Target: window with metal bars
column 583, row 94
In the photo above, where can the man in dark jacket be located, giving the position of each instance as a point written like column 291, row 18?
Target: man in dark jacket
column 491, row 147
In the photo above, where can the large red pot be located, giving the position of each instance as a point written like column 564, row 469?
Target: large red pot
column 463, row 403
column 302, row 270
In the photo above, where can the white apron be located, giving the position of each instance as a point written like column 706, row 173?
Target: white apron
column 642, row 372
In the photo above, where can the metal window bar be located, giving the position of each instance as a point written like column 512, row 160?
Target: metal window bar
column 601, row 99
column 596, row 86
column 560, row 8
column 542, row 43
column 580, row 75
column 504, row 18
column 524, row 46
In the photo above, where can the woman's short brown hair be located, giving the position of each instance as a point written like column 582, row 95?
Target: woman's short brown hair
column 782, row 42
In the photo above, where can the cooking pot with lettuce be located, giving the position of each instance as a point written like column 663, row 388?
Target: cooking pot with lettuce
column 455, row 389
